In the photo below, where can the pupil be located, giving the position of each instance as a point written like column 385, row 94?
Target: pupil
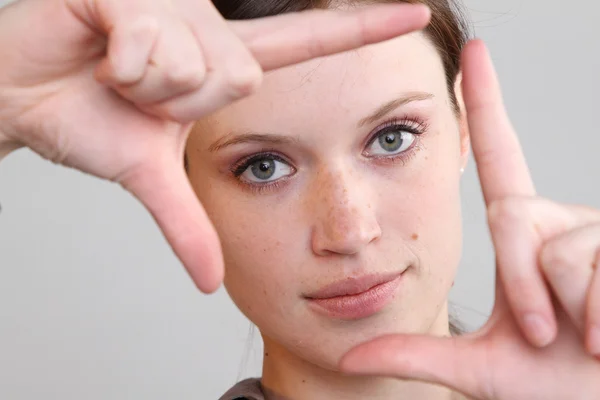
column 391, row 141
column 263, row 169
column 264, row 166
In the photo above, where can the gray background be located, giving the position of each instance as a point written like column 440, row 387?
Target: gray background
column 93, row 304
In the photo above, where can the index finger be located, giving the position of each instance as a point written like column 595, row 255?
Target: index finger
column 505, row 182
column 501, row 165
column 278, row 41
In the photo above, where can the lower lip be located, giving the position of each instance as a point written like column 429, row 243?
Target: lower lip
column 359, row 305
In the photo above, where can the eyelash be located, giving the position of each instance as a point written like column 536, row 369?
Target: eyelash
column 411, row 125
column 242, row 165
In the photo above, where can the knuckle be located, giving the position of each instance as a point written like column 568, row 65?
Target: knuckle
column 184, row 75
column 316, row 45
column 522, row 293
column 166, row 110
column 362, row 24
column 243, row 81
column 171, row 112
column 508, row 210
column 556, row 260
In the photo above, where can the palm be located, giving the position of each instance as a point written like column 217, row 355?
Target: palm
column 100, row 133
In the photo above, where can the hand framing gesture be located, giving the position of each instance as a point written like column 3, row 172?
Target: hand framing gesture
column 110, row 87
column 542, row 339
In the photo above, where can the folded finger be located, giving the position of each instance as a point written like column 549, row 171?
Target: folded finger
column 519, row 227
column 128, row 51
column 593, row 310
column 512, row 224
column 567, row 263
column 175, row 66
column 232, row 71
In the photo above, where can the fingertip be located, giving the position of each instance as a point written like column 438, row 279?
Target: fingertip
column 474, row 51
column 387, row 21
column 418, row 11
column 209, row 273
column 539, row 330
column 476, row 43
column 421, row 14
column 593, row 341
column 202, row 256
column 347, row 363
column 363, row 359
column 208, row 285
column 165, row 191
column 425, row 10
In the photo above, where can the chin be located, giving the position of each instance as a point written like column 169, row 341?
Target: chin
column 324, row 343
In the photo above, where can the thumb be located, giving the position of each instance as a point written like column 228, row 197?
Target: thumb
column 451, row 362
column 164, row 189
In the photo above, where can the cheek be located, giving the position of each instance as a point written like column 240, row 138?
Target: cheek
column 428, row 212
column 437, row 204
column 262, row 255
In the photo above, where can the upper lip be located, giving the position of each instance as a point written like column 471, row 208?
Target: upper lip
column 352, row 285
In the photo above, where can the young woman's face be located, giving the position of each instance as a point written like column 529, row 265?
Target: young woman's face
column 338, row 169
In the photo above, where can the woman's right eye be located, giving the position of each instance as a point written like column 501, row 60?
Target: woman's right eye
column 264, row 170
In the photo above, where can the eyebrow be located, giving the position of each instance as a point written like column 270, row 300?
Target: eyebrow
column 394, row 104
column 250, row 137
column 276, row 139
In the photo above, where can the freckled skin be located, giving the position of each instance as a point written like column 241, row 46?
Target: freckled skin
column 341, row 213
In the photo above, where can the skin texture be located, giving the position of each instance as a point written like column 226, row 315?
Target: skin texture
column 545, row 316
column 342, row 213
column 125, row 68
column 138, row 73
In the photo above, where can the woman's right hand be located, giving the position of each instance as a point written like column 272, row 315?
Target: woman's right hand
column 111, row 87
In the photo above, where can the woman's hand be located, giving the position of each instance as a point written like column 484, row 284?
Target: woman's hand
column 541, row 342
column 111, row 87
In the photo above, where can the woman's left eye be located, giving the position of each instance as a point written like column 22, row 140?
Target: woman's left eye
column 391, row 141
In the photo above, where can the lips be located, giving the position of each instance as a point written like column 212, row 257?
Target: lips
column 355, row 298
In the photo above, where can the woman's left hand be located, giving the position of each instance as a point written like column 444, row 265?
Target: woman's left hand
column 543, row 338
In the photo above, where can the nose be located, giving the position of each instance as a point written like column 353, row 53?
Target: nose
column 345, row 218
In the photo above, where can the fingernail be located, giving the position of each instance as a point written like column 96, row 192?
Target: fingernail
column 594, row 341
column 538, row 329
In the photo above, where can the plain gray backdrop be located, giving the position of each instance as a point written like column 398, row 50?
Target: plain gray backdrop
column 93, row 304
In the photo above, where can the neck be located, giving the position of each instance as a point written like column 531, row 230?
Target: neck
column 288, row 377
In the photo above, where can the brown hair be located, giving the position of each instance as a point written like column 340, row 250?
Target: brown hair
column 448, row 31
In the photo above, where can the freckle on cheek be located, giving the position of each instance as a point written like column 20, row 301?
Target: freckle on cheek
column 415, row 236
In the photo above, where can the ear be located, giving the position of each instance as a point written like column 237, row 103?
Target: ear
column 463, row 124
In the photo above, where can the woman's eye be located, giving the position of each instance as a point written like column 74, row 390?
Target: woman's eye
column 391, row 142
column 266, row 170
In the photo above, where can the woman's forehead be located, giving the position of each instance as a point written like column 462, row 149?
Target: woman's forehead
column 335, row 87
